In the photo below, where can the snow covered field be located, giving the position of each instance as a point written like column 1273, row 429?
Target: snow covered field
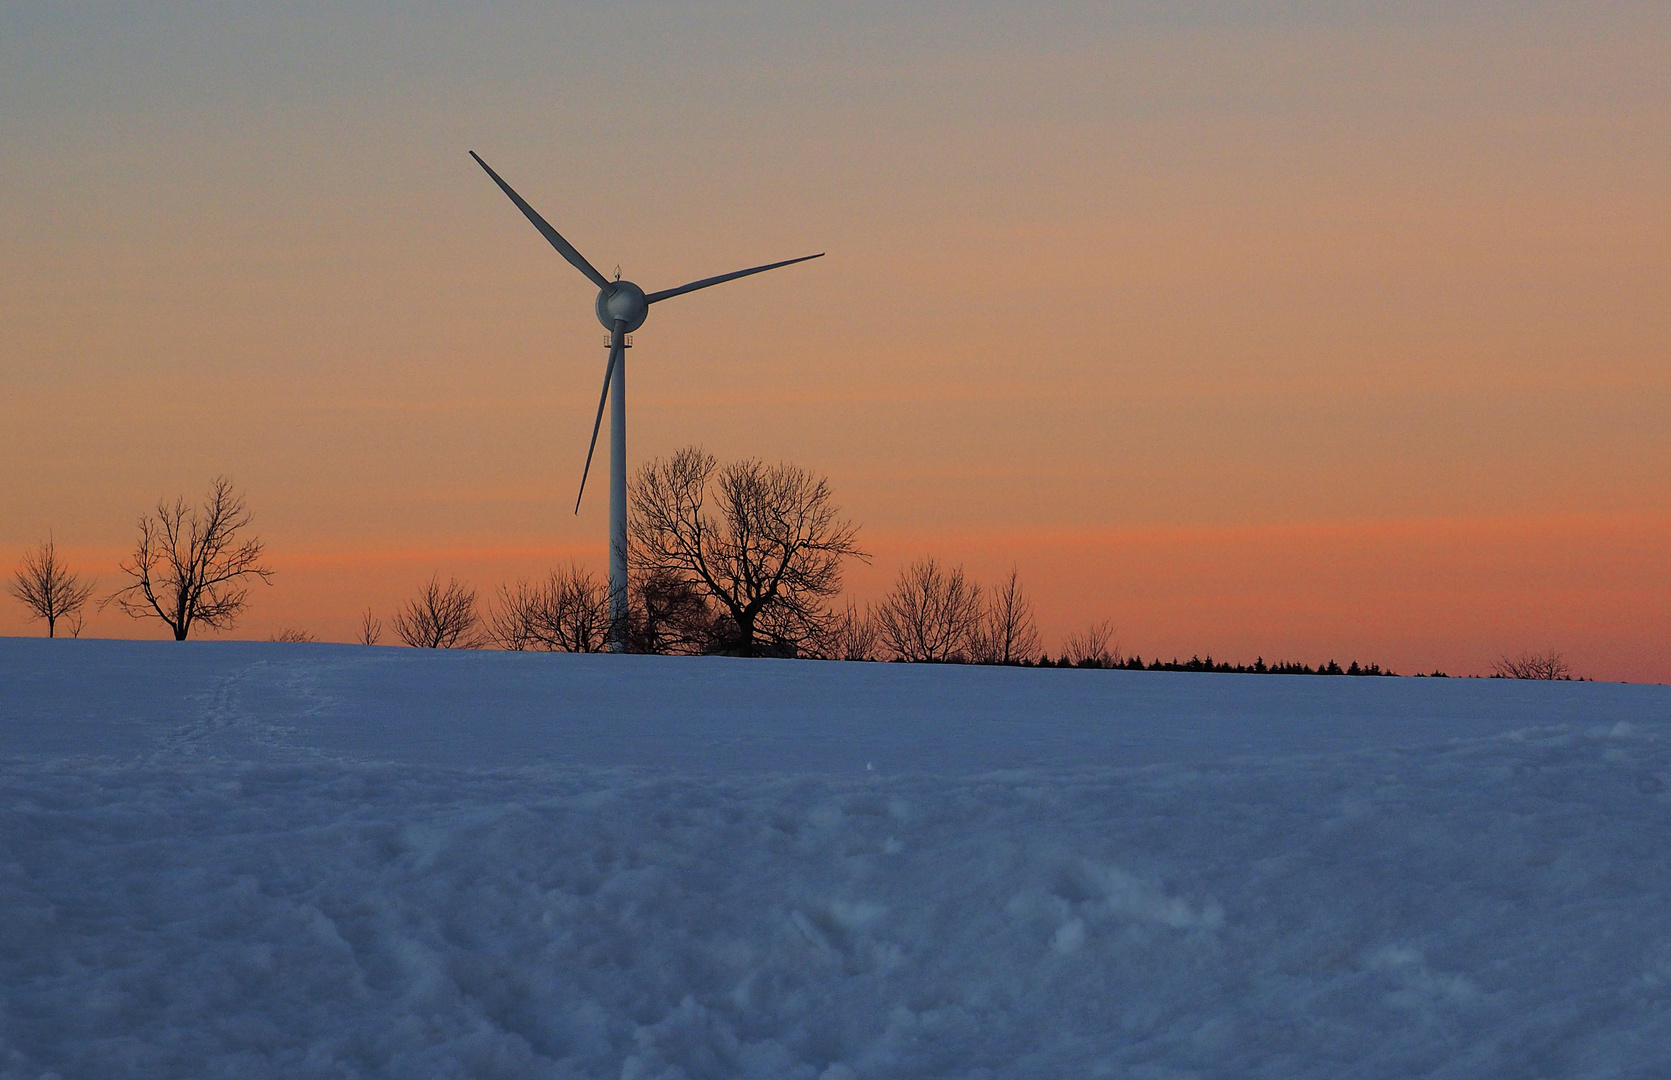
column 252, row 860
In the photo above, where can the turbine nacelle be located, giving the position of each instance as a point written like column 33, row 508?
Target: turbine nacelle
column 622, row 301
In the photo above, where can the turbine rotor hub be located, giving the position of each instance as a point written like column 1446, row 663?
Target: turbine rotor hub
column 626, row 303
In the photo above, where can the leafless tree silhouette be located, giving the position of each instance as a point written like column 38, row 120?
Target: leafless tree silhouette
column 852, row 634
column 670, row 613
column 371, row 628
column 440, row 617
column 767, row 554
column 49, row 590
column 293, row 635
column 1090, row 647
column 190, row 565
column 931, row 615
column 1008, row 633
column 568, row 612
column 1533, row 665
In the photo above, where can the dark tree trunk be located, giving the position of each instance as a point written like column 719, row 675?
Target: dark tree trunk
column 745, row 636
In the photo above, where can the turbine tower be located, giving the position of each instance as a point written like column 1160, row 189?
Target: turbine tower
column 621, row 307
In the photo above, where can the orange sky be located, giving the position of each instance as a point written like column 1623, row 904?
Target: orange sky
column 1256, row 329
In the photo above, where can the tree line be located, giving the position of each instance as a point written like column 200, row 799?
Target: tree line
column 741, row 559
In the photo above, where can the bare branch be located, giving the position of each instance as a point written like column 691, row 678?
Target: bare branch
column 1008, row 633
column 931, row 615
column 670, row 613
column 49, row 590
column 1532, row 665
column 441, row 617
column 189, row 565
column 1090, row 648
column 371, row 628
column 851, row 635
column 568, row 612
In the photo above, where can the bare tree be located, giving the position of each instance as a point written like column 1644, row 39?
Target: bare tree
column 767, row 554
column 856, row 634
column 1008, row 633
column 291, row 634
column 371, row 628
column 931, row 615
column 1090, row 648
column 190, row 564
column 568, row 612
column 670, row 613
column 49, row 590
column 440, row 617
column 1532, row 665
column 851, row 635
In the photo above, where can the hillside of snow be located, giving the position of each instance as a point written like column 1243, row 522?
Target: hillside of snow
column 262, row 860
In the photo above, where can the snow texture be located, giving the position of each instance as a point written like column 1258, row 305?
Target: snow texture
column 261, row 860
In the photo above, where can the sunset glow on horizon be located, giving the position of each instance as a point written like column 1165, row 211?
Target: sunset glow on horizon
column 1286, row 330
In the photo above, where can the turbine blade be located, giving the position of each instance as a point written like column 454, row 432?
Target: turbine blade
column 564, row 248
column 705, row 282
column 617, row 345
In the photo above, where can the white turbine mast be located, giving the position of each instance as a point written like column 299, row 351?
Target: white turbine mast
column 621, row 307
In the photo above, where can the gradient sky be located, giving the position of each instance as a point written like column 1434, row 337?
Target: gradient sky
column 1300, row 330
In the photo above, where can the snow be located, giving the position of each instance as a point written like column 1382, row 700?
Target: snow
column 252, row 860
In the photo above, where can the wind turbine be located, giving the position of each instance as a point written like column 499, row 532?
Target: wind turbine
column 622, row 308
